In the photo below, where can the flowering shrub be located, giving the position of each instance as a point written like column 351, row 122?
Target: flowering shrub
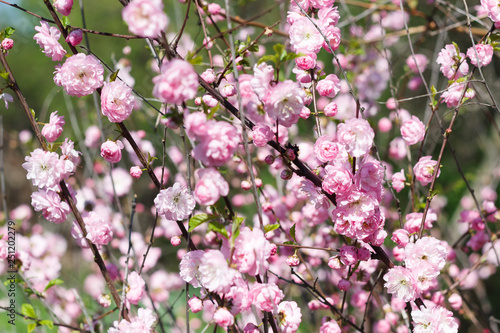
column 312, row 174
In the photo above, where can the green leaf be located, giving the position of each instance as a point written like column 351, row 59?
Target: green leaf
column 52, row 283
column 48, row 323
column 289, row 243
column 65, row 21
column 5, row 75
column 31, row 327
column 280, row 51
column 199, row 219
column 292, row 233
column 196, row 60
column 235, row 229
column 267, row 58
column 27, row 310
column 291, row 56
column 271, row 227
column 218, row 227
column 114, row 76
column 8, row 32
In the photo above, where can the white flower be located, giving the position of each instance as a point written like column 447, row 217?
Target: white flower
column 7, row 99
column 175, row 203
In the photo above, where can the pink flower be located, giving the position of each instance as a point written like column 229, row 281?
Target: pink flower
column 284, row 102
column 177, row 82
column 80, row 75
column 54, row 128
column 261, row 134
column 331, row 110
column 251, row 328
column 484, row 54
column 453, row 65
column 492, row 8
column 175, row 240
column 398, row 180
column 289, row 317
column 348, row 255
column 75, row 37
column 454, row 92
column 263, row 75
column 196, row 124
column 252, row 251
column 46, row 169
column 329, row 86
column 428, row 249
column 293, row 261
column 326, row 149
column 47, row 37
column 218, row 145
column 64, row 6
column 7, row 44
column 304, row 37
column 413, row 221
column 330, row 327
column 424, row 170
column 223, row 317
column 357, row 136
column 188, row 267
column 214, row 272
column 210, row 186
column 401, row 237
column 92, row 136
column 344, row 284
column 145, row 18
column 136, row 172
column 337, row 180
column 142, row 323
column 175, row 203
column 265, row 296
column 111, row 151
column 117, row 101
column 98, row 231
column 418, row 59
column 213, row 8
column 413, row 131
column 195, row 304
column 306, row 62
column 49, row 202
column 434, row 319
column 398, row 148
column 401, row 282
column 135, row 288
column 208, row 75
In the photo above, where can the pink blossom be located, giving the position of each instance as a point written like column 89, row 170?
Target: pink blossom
column 401, row 283
column 251, row 328
column 80, row 75
column 484, row 54
column 213, row 8
column 418, row 59
column 218, row 145
column 344, row 284
column 263, row 75
column 357, row 136
column 455, row 301
column 209, row 100
column 330, row 327
column 75, row 37
column 330, row 110
column 265, row 296
column 338, row 179
column 175, row 240
column 452, row 96
column 453, row 65
column 401, row 237
column 54, row 128
column 92, row 136
column 424, row 170
column 214, row 272
column 326, row 149
column 49, row 202
column 145, row 18
column 188, row 267
column 304, row 36
column 111, row 151
column 223, row 317
column 208, row 75
column 135, row 287
column 261, row 134
column 177, row 82
column 143, row 323
column 284, row 102
column 398, row 149
column 492, row 8
column 210, row 186
column 413, row 131
column 47, row 37
column 428, row 249
column 369, row 177
column 348, row 255
column 384, row 125
column 289, row 317
column 69, row 155
column 7, row 44
column 434, row 319
column 196, row 124
column 98, row 230
column 293, row 261
column 136, row 172
column 398, row 180
column 63, row 6
column 117, row 101
column 46, row 169
column 329, row 86
column 306, row 62
column 226, row 88
column 175, row 203
column 413, row 221
column 195, row 304
column 252, row 251
column 320, row 4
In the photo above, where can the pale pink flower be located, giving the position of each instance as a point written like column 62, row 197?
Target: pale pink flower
column 398, row 180
column 338, row 179
column 492, row 8
column 261, row 80
column 357, row 136
column 348, row 255
column 210, row 186
column 218, row 145
column 135, row 288
column 427, row 249
column 326, row 149
column 226, row 88
column 209, row 100
column 252, row 251
column 47, row 37
column 424, row 170
column 196, row 124
column 329, row 86
column 208, row 75
column 284, row 102
column 75, row 37
column 453, row 65
column 188, row 267
column 418, row 59
column 484, row 52
column 400, row 282
column 195, row 304
column 136, row 172
column 293, row 261
column 223, row 317
column 175, row 240
column 251, row 328
column 7, row 44
column 265, row 296
column 117, row 101
column 69, row 155
column 175, row 203
column 369, row 178
column 111, row 151
column 455, row 301
column 314, row 195
column 49, row 202
column 54, row 128
column 80, row 75
column 413, row 221
column 214, row 8
column 63, row 6
column 92, row 136
column 143, row 323
column 307, row 61
column 452, row 96
column 99, row 231
column 304, row 37
column 401, row 237
column 214, row 273
column 330, row 327
column 320, row 4
column 289, row 317
column 331, row 109
column 434, row 319
column 261, row 134
column 413, row 131
column 45, row 169
column 145, row 18
column 177, row 82
column 398, row 148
